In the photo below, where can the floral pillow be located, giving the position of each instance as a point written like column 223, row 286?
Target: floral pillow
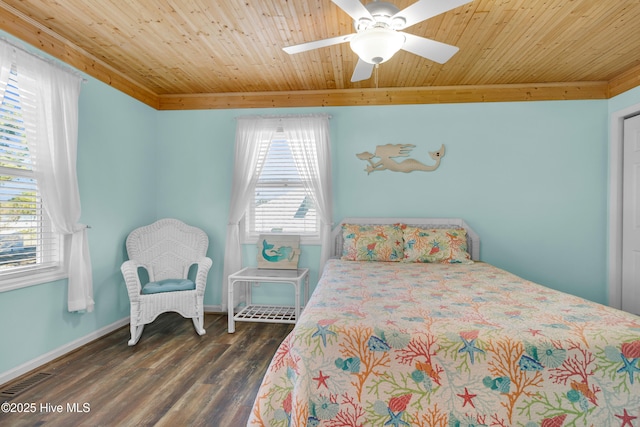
column 442, row 245
column 372, row 242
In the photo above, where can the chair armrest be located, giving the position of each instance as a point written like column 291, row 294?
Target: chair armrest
column 132, row 280
column 204, row 264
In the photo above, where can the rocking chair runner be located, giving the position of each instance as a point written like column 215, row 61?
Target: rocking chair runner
column 168, row 250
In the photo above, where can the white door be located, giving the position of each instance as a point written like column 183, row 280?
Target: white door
column 631, row 216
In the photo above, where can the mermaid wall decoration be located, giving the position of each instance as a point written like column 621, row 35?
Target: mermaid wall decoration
column 386, row 153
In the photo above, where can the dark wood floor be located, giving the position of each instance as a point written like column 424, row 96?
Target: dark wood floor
column 172, row 377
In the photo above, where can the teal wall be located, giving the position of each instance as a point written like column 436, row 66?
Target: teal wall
column 116, row 174
column 531, row 178
column 624, row 100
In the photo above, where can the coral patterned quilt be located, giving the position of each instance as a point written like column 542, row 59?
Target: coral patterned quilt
column 411, row 344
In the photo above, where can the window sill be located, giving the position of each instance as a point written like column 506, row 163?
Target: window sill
column 310, row 241
column 18, row 280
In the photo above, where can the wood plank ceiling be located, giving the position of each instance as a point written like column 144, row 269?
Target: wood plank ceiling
column 191, row 54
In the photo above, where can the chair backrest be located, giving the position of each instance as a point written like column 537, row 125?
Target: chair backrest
column 167, row 248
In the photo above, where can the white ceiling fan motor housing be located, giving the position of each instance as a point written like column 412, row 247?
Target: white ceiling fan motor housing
column 377, row 41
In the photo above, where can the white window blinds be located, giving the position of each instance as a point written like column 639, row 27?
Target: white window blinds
column 281, row 203
column 26, row 240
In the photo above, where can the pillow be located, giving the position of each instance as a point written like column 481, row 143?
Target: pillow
column 372, row 242
column 441, row 245
column 168, row 285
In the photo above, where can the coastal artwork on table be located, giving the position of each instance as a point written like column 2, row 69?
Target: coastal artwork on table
column 278, row 251
column 384, row 156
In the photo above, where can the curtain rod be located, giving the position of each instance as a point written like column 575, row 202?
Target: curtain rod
column 56, row 63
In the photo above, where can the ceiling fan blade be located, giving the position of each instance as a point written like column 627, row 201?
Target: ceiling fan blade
column 362, row 71
column 425, row 9
column 317, row 44
column 427, row 48
column 354, row 9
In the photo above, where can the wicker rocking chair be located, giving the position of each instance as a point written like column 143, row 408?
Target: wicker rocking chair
column 173, row 254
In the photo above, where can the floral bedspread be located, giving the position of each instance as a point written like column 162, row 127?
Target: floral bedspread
column 409, row 344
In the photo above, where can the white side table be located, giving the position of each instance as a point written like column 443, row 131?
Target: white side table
column 267, row 313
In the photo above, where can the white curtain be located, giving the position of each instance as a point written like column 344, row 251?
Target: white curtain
column 50, row 100
column 6, row 59
column 248, row 164
column 313, row 160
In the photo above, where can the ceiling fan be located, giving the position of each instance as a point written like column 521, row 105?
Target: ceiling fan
column 378, row 33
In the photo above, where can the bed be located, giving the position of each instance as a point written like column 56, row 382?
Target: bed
column 407, row 328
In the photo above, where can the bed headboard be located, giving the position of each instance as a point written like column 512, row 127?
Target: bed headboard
column 473, row 240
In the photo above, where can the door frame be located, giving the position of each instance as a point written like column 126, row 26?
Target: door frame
column 616, row 146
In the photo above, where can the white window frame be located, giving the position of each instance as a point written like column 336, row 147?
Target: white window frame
column 247, row 225
column 51, row 265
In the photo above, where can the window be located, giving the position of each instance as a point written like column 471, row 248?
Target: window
column 281, row 203
column 29, row 251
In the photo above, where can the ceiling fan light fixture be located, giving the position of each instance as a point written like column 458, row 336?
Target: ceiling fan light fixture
column 377, row 45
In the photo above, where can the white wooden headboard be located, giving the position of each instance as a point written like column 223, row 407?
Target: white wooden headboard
column 473, row 240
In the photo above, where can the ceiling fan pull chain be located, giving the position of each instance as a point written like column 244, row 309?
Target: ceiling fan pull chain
column 376, row 76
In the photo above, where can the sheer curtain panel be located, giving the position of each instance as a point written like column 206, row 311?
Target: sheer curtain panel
column 50, row 95
column 312, row 156
column 248, row 164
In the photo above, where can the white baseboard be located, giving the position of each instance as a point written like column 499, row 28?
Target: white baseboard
column 60, row 351
column 213, row 309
